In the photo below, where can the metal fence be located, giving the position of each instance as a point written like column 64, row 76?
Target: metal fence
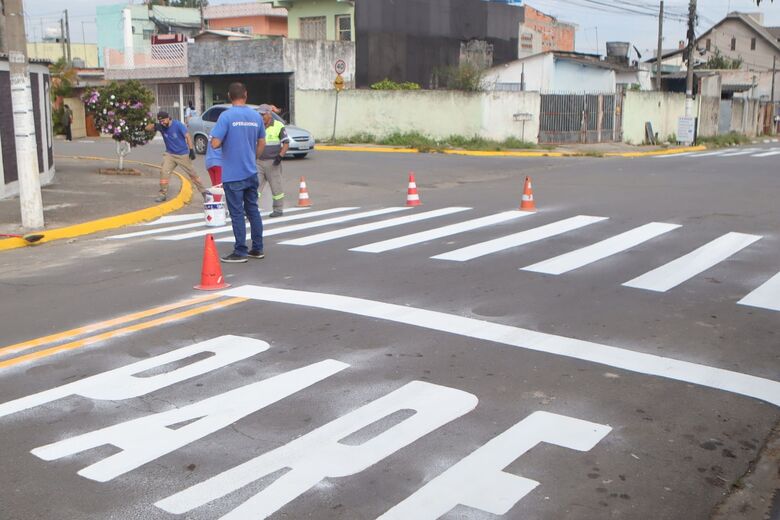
column 580, row 118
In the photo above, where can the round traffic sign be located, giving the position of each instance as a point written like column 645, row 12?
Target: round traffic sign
column 341, row 66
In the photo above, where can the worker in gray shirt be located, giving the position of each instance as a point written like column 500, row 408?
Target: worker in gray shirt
column 269, row 165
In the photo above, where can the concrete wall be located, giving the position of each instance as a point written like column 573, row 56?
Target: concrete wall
column 709, row 116
column 575, row 77
column 110, row 25
column 53, row 52
column 437, row 114
column 555, row 35
column 659, row 108
column 746, row 116
column 313, row 62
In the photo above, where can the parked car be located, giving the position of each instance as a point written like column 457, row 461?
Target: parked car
column 301, row 141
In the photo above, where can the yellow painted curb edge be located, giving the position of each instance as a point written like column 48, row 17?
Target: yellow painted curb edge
column 117, row 221
column 487, row 153
column 670, row 151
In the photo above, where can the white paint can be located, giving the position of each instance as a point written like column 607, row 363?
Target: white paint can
column 214, row 213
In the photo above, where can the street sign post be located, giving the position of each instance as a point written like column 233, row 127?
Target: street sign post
column 341, row 67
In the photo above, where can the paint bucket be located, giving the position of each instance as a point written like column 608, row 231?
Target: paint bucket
column 214, row 213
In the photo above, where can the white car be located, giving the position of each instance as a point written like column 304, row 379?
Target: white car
column 301, row 141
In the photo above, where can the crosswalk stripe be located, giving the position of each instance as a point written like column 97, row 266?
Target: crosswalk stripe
column 682, row 269
column 326, row 222
column 683, row 154
column 744, row 151
column 432, row 234
column 766, row 296
column 600, row 250
column 518, row 239
column 708, row 154
column 767, row 154
column 171, row 219
column 179, row 227
column 279, row 220
column 365, row 228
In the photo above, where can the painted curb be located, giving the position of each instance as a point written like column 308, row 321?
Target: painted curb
column 486, row 153
column 117, row 221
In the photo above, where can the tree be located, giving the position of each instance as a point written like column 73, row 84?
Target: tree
column 720, row 62
column 122, row 110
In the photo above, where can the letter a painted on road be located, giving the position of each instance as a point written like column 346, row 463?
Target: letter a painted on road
column 148, row 438
column 122, row 383
column 321, row 454
column 479, row 480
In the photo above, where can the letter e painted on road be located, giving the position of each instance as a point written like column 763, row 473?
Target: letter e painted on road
column 148, row 438
column 321, row 453
column 122, row 383
column 478, row 480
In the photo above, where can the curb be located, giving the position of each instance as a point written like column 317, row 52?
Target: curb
column 117, row 221
column 486, row 153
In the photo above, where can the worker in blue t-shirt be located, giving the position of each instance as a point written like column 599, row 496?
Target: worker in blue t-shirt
column 240, row 134
column 178, row 152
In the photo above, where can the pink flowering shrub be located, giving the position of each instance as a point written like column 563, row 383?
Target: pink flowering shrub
column 122, row 110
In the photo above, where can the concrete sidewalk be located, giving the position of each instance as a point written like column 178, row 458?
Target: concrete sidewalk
column 81, row 200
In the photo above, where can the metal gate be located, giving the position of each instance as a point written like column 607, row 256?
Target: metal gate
column 580, row 118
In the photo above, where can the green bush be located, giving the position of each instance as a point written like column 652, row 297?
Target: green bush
column 388, row 84
column 465, row 77
column 720, row 141
column 122, row 110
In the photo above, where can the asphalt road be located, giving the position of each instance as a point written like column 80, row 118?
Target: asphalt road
column 478, row 384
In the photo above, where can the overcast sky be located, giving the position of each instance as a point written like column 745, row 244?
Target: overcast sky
column 594, row 27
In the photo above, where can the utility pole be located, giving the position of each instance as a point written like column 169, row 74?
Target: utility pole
column 689, row 52
column 202, row 21
column 24, row 121
column 772, row 102
column 660, row 46
column 62, row 39
column 67, row 32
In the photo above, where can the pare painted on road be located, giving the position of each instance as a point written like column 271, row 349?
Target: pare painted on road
column 313, row 457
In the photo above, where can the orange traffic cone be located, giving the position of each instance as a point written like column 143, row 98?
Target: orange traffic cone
column 412, row 197
column 303, row 195
column 527, row 203
column 211, row 275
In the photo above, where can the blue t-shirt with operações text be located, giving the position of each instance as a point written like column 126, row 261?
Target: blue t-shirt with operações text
column 174, row 137
column 239, row 128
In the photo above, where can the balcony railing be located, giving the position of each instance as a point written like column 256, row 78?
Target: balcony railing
column 154, row 61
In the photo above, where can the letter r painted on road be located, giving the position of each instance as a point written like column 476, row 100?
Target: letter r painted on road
column 321, row 453
column 147, row 438
column 478, row 480
column 123, row 383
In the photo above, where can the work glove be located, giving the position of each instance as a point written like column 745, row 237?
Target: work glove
column 278, row 160
column 192, row 154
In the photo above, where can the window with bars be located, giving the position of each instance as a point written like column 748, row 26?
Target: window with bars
column 752, row 44
column 344, row 28
column 733, row 44
column 313, row 28
column 245, row 29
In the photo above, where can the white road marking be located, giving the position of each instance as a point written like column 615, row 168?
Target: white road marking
column 479, row 480
column 681, row 269
column 766, row 296
column 433, row 234
column 171, row 219
column 519, row 239
column 326, row 222
column 200, row 224
column 322, row 453
column 709, row 154
column 600, row 250
column 638, row 362
column 683, row 154
column 122, row 383
column 743, row 151
column 773, row 151
column 147, row 438
column 365, row 228
column 278, row 220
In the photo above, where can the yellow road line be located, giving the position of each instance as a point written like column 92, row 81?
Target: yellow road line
column 117, row 221
column 113, row 333
column 511, row 153
column 70, row 334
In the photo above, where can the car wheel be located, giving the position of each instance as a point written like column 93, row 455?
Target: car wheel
column 200, row 144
